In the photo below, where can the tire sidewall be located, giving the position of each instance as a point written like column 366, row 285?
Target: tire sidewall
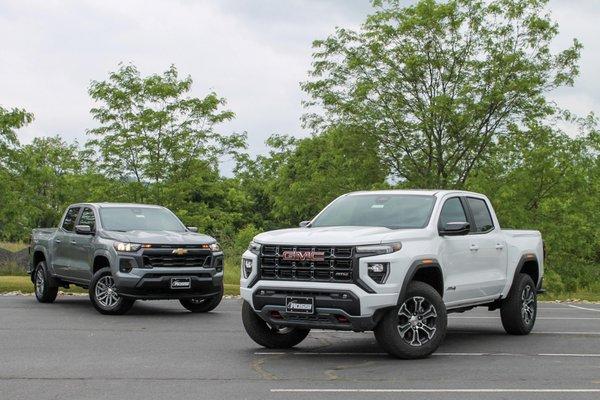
column 387, row 333
column 41, row 267
column 522, row 281
column 122, row 305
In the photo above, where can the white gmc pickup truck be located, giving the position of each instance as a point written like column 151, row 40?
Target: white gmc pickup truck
column 394, row 262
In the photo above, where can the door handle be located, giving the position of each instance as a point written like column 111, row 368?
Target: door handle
column 473, row 247
column 57, row 240
column 499, row 246
column 73, row 242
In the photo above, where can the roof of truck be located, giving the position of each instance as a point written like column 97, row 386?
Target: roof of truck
column 109, row 205
column 425, row 192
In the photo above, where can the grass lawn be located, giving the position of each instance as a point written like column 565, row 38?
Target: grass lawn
column 23, row 284
column 14, row 247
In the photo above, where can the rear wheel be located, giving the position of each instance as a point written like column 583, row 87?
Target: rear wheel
column 45, row 291
column 519, row 309
column 104, row 296
column 416, row 328
column 202, row 304
column 269, row 336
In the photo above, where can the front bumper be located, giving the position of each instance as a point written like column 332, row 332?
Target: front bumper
column 156, row 285
column 338, row 307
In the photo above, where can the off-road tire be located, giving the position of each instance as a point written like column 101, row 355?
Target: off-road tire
column 519, row 310
column 202, row 305
column 120, row 306
column 416, row 327
column 267, row 336
column 45, row 288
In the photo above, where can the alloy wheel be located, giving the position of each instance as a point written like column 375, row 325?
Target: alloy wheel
column 527, row 304
column 106, row 293
column 39, row 282
column 417, row 321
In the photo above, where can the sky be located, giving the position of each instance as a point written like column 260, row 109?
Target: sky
column 254, row 53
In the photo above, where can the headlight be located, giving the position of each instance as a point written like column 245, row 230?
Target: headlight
column 214, row 247
column 378, row 248
column 254, row 247
column 127, row 247
column 246, row 267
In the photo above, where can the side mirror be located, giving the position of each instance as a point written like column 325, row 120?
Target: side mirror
column 192, row 229
column 455, row 229
column 304, row 224
column 83, row 230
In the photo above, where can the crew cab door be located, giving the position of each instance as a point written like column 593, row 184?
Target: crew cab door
column 456, row 255
column 82, row 248
column 489, row 248
column 62, row 248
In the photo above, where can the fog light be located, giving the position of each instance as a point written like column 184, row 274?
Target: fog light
column 378, row 271
column 247, row 267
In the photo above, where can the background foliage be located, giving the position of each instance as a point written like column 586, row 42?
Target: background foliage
column 439, row 94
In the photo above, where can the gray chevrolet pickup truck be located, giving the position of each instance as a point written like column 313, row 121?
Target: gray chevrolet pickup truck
column 124, row 252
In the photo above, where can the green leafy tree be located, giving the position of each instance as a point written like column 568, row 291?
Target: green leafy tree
column 151, row 128
column 439, row 83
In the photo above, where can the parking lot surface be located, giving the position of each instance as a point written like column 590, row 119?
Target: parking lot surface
column 67, row 350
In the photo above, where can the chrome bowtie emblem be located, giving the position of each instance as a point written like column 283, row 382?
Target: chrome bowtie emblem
column 180, row 252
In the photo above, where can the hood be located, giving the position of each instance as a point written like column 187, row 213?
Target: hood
column 337, row 235
column 159, row 237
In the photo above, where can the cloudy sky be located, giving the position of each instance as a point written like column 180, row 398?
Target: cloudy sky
column 252, row 52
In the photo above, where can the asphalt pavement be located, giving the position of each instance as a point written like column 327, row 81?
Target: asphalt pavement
column 67, row 350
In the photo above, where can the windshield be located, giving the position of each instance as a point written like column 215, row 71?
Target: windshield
column 139, row 218
column 390, row 211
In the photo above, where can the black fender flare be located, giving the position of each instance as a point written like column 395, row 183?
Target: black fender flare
column 525, row 258
column 412, row 270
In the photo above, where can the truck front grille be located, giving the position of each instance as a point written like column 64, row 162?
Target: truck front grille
column 336, row 264
column 165, row 258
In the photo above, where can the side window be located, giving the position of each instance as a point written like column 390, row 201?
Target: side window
column 69, row 222
column 452, row 211
column 87, row 218
column 481, row 215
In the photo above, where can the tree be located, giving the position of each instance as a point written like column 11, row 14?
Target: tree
column 439, row 83
column 151, row 129
column 10, row 120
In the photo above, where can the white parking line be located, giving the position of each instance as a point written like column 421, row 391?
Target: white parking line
column 507, row 390
column 318, row 353
column 547, row 318
column 584, row 308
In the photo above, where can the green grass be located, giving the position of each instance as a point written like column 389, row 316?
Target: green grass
column 13, row 247
column 23, row 284
column 11, row 268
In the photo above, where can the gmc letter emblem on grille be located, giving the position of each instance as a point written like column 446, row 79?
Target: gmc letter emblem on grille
column 292, row 255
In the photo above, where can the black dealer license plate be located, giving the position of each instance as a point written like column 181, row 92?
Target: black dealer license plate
column 300, row 305
column 181, row 283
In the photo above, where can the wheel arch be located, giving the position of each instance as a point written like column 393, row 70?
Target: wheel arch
column 425, row 270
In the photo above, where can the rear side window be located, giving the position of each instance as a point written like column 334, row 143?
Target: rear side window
column 87, row 218
column 69, row 222
column 452, row 211
column 481, row 215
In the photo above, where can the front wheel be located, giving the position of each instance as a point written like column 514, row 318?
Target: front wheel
column 104, row 296
column 416, row 328
column 269, row 336
column 519, row 309
column 45, row 292
column 202, row 304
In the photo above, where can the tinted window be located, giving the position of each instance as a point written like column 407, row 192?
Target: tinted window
column 481, row 215
column 391, row 211
column 139, row 218
column 87, row 218
column 69, row 222
column 452, row 211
